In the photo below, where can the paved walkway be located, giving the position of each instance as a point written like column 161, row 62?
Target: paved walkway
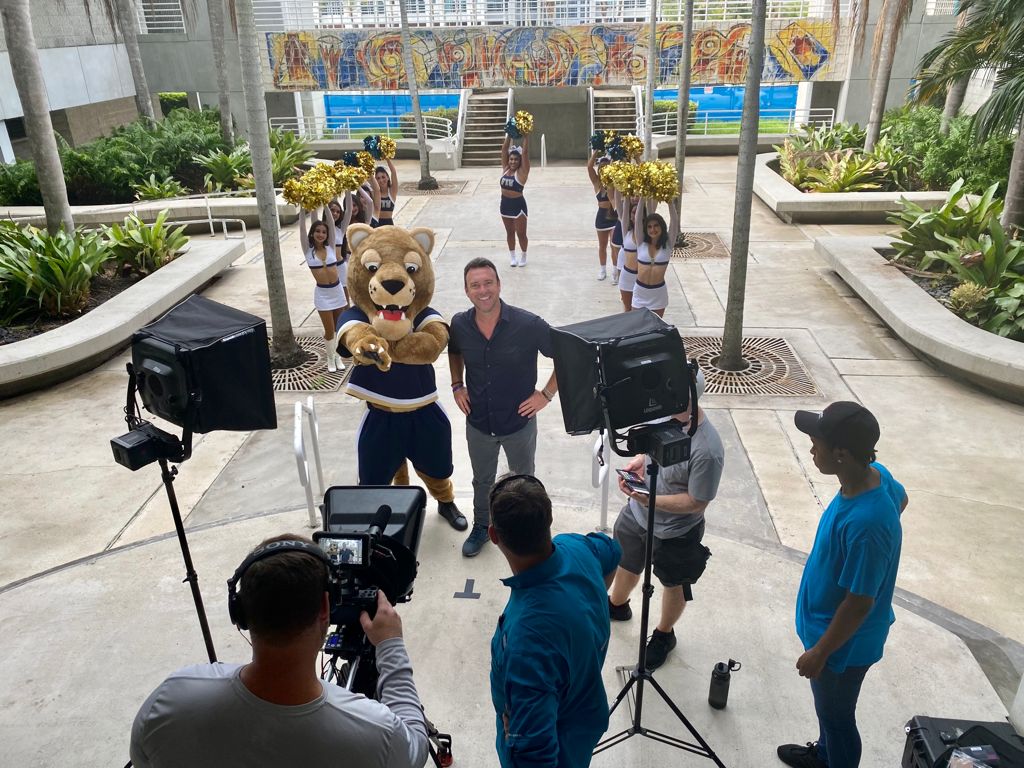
column 88, row 562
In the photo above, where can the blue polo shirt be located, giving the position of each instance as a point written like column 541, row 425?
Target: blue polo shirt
column 856, row 549
column 547, row 654
column 501, row 372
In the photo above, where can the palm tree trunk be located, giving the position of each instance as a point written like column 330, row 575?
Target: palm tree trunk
column 128, row 21
column 890, row 15
column 954, row 100
column 683, row 100
column 215, row 8
column 28, row 79
column 732, row 339
column 1013, row 209
column 426, row 180
column 652, row 64
column 284, row 350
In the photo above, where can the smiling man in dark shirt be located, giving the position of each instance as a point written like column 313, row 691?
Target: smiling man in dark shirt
column 495, row 346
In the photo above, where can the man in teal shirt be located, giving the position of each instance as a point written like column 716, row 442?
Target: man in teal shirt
column 548, row 650
column 844, row 606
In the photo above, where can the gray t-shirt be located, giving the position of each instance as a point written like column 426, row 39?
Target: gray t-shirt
column 699, row 477
column 204, row 715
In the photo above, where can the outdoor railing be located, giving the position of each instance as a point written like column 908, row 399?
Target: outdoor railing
column 318, row 127
column 281, row 15
column 942, row 7
column 725, row 122
column 156, row 16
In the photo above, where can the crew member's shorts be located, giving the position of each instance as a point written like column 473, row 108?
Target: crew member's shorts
column 677, row 562
column 513, row 207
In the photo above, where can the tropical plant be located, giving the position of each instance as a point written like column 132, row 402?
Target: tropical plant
column 846, row 171
column 922, row 231
column 968, row 298
column 19, row 185
column 158, row 189
column 900, row 168
column 143, row 248
column 992, row 37
column 1008, row 317
column 224, row 167
column 172, row 100
column 991, row 260
column 963, row 154
column 52, row 271
column 286, row 161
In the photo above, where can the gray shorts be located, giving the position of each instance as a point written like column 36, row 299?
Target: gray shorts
column 677, row 562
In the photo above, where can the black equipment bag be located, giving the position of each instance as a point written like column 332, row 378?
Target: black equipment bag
column 931, row 741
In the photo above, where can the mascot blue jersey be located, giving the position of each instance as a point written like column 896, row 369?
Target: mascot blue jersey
column 404, row 387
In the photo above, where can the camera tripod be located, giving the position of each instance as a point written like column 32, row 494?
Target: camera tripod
column 641, row 675
column 354, row 668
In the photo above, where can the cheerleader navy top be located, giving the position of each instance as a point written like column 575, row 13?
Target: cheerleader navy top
column 510, row 182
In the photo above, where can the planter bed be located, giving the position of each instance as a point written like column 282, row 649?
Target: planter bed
column 82, row 344
column 793, row 206
column 952, row 344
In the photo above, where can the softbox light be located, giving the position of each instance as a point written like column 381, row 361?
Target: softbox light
column 208, row 365
column 636, row 357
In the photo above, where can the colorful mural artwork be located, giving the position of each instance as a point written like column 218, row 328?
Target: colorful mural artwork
column 613, row 54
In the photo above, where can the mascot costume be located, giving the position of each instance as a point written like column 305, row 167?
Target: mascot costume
column 394, row 338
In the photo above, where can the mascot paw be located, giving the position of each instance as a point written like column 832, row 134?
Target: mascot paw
column 372, row 350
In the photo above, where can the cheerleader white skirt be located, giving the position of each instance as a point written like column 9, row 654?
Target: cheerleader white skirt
column 328, row 297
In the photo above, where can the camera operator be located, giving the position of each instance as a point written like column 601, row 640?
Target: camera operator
column 275, row 710
column 684, row 492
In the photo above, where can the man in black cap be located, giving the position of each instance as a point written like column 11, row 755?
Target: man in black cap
column 844, row 606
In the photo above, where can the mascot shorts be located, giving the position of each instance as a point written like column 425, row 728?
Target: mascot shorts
column 386, row 439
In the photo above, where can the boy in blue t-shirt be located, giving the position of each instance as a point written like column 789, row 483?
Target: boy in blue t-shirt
column 844, row 606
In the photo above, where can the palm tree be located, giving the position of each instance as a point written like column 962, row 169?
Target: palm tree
column 284, row 350
column 426, row 180
column 956, row 92
column 128, row 21
column 732, row 339
column 683, row 98
column 652, row 64
column 891, row 21
column 991, row 37
column 215, row 8
column 28, row 79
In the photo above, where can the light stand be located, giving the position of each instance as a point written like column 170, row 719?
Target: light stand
column 637, row 441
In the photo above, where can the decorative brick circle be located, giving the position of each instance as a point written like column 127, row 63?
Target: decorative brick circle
column 700, row 245
column 774, row 368
column 311, row 375
column 443, row 188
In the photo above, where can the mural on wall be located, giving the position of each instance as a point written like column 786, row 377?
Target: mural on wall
column 477, row 57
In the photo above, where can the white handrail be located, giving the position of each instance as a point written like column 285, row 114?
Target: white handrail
column 508, row 106
column 306, row 414
column 543, row 152
column 638, row 101
column 705, row 122
column 317, row 127
column 460, row 131
column 590, row 103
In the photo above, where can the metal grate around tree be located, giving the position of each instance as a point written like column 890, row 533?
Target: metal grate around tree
column 443, row 188
column 774, row 370
column 311, row 375
column 699, row 245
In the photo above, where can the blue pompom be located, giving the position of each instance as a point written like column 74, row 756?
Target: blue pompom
column 372, row 145
column 351, row 159
column 512, row 130
column 597, row 142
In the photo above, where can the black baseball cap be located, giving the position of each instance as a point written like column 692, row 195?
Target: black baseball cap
column 842, row 424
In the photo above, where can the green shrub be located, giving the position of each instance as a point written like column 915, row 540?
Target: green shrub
column 52, row 271
column 158, row 189
column 991, row 259
column 845, row 171
column 171, row 100
column 1007, row 315
column 288, row 151
column 143, row 248
column 962, row 155
column 19, row 185
column 224, row 167
column 926, row 232
column 913, row 129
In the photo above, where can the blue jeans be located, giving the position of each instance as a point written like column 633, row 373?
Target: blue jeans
column 835, row 702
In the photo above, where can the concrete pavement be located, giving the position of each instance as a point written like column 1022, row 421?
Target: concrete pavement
column 88, row 562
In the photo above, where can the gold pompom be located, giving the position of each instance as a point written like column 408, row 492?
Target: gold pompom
column 660, row 180
column 313, row 189
column 387, row 147
column 624, row 177
column 632, row 145
column 366, row 162
column 523, row 121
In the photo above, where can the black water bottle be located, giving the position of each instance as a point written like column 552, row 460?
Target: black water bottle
column 720, row 676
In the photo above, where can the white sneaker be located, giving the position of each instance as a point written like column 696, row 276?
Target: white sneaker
column 602, row 273
column 522, row 260
column 512, row 261
column 615, row 277
column 332, row 360
column 337, row 362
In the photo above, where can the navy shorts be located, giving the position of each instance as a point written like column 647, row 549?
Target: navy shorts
column 606, row 219
column 513, row 207
column 386, row 439
column 617, row 234
column 381, row 223
column 677, row 562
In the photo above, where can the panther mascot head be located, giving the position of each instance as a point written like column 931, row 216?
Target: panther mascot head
column 390, row 276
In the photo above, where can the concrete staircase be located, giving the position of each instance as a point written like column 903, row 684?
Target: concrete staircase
column 614, row 111
column 485, row 121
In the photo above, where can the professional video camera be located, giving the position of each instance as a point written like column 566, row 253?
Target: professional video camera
column 371, row 536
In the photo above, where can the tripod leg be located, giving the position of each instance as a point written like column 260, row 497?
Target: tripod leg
column 689, row 726
column 622, row 694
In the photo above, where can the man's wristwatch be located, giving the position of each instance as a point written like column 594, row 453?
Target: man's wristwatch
column 457, row 385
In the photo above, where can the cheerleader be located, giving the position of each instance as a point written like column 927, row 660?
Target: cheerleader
column 515, row 168
column 631, row 216
column 607, row 218
column 650, row 291
column 328, row 295
column 357, row 208
column 387, row 194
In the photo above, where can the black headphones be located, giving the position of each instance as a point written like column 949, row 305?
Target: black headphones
column 235, row 609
